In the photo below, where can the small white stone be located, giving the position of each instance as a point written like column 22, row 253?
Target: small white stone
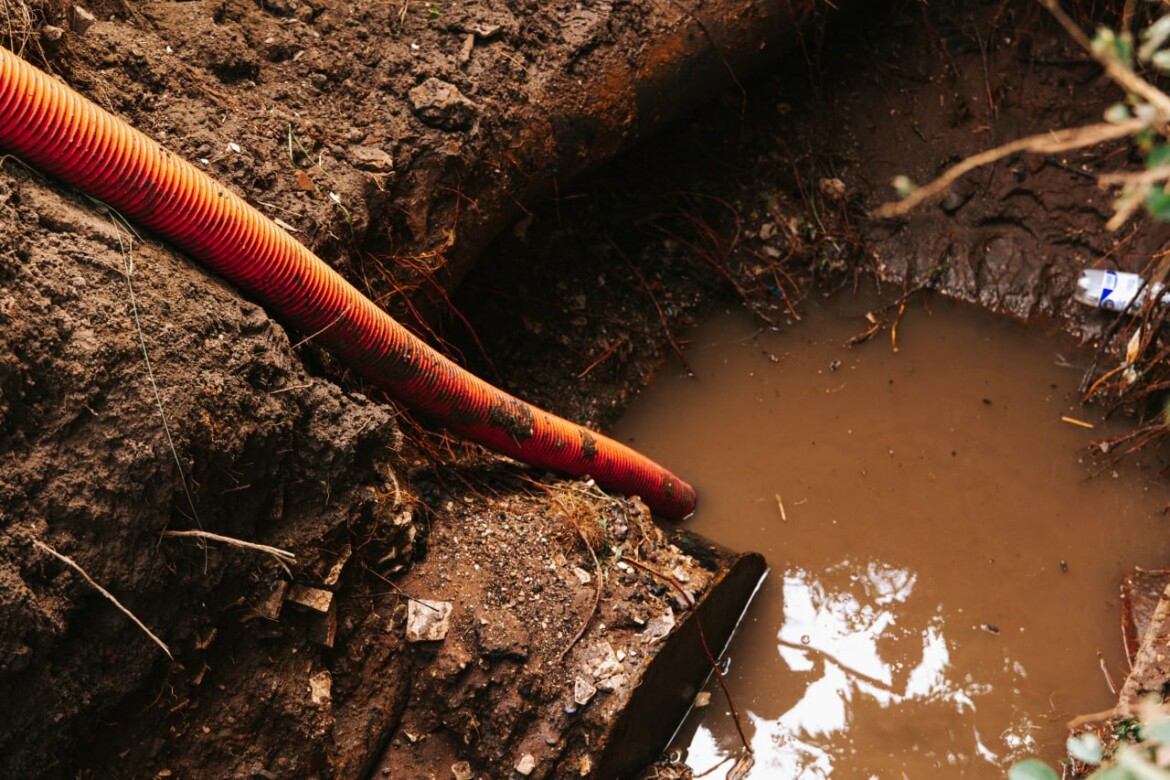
column 321, row 688
column 659, row 626
column 583, row 691
column 427, row 621
column 526, row 764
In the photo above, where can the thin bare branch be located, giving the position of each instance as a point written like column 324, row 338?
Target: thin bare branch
column 1124, row 77
column 77, row 567
column 1044, row 143
column 1148, row 176
column 273, row 551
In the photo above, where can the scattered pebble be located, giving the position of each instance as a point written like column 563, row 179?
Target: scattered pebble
column 658, row 626
column 316, row 599
column 526, row 764
column 583, row 691
column 81, row 20
column 427, row 621
column 440, row 104
column 372, row 159
column 321, row 688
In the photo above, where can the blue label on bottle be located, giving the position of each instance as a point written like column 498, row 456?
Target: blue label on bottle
column 1108, row 286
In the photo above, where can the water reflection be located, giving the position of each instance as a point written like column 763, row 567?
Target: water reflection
column 854, row 643
column 942, row 573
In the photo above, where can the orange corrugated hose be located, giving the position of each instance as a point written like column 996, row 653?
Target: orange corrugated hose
column 54, row 128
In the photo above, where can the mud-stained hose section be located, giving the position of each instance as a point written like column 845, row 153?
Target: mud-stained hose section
column 56, row 129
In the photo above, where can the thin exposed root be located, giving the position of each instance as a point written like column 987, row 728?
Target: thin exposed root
column 109, row 596
column 597, row 573
column 276, row 552
column 702, row 640
column 1091, row 717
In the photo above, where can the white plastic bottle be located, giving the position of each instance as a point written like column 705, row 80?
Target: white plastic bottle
column 1113, row 290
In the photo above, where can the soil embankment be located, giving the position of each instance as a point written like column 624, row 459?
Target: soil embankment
column 140, row 395
column 395, row 141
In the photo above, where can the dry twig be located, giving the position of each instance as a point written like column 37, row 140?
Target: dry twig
column 276, row 552
column 1043, row 143
column 596, row 594
column 77, row 567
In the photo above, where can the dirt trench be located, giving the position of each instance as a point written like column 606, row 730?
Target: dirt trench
column 140, row 396
column 292, row 104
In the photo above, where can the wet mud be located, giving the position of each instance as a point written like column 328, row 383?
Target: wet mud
column 310, row 110
column 945, row 551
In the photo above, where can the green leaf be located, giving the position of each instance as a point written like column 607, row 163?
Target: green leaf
column 1158, row 156
column 1032, row 769
column 1158, row 203
column 1086, row 748
column 1115, row 47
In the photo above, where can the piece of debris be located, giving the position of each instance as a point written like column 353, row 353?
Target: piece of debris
column 583, row 691
column 582, row 576
column 526, row 764
column 601, row 661
column 1149, row 670
column 334, row 573
column 485, row 31
column 989, row 628
column 658, row 626
column 461, row 771
column 466, row 49
column 269, row 608
column 80, row 20
column 742, row 767
column 427, row 621
column 703, row 699
column 1141, row 592
column 316, row 599
column 372, row 159
column 321, row 688
column 832, row 188
column 51, row 32
column 1076, row 422
column 440, row 104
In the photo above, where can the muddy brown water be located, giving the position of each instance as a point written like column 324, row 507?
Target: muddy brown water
column 945, row 564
